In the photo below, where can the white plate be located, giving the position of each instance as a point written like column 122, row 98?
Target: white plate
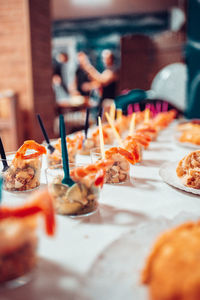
column 179, row 133
column 185, row 145
column 116, row 273
column 168, row 173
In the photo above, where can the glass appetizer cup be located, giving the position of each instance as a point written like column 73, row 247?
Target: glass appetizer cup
column 17, row 250
column 119, row 172
column 18, row 238
column 21, row 174
column 55, row 158
column 87, row 145
column 78, row 200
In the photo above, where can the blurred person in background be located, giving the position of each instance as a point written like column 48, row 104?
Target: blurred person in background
column 82, row 84
column 105, row 81
column 59, row 79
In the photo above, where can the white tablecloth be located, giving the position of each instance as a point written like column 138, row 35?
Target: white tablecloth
column 89, row 257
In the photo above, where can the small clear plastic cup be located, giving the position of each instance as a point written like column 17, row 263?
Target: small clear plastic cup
column 18, row 252
column 88, row 144
column 55, row 158
column 119, row 172
column 78, row 200
column 22, row 174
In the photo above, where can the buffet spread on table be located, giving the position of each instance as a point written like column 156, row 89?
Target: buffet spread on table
column 120, row 212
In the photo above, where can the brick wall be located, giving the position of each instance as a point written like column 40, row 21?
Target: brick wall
column 14, row 51
column 25, row 61
column 40, row 20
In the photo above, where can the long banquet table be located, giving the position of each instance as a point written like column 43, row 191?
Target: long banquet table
column 101, row 256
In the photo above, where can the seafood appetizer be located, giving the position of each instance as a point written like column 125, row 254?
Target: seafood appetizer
column 163, row 119
column 24, row 169
column 153, row 126
column 107, row 135
column 18, row 239
column 118, row 171
column 142, row 138
column 172, row 268
column 149, row 130
column 82, row 197
column 87, row 144
column 128, row 152
column 191, row 136
column 188, row 170
column 73, row 145
column 189, row 132
column 193, row 124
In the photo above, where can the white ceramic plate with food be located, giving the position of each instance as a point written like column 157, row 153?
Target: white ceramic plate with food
column 185, row 145
column 179, row 132
column 168, row 173
column 117, row 271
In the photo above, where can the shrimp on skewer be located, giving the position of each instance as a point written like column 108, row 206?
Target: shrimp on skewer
column 92, row 174
column 74, row 144
column 147, row 126
column 133, row 145
column 119, row 170
column 128, row 152
column 82, row 197
column 149, row 130
column 86, row 145
column 163, row 119
column 29, row 145
column 153, row 126
column 107, row 135
column 24, row 170
column 142, row 139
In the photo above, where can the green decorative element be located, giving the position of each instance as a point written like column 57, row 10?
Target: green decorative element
column 193, row 24
column 193, row 83
column 65, row 159
column 134, row 96
column 193, row 60
column 1, row 183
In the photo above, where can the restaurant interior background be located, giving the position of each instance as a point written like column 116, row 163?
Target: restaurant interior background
column 144, row 35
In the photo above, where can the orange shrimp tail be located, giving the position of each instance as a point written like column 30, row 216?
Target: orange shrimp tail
column 143, row 135
column 30, row 144
column 104, row 163
column 79, row 140
column 45, row 202
column 95, row 134
column 125, row 153
column 147, row 129
column 163, row 119
column 9, row 212
column 99, row 179
column 129, row 156
column 96, row 171
column 41, row 203
column 131, row 145
column 142, row 141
